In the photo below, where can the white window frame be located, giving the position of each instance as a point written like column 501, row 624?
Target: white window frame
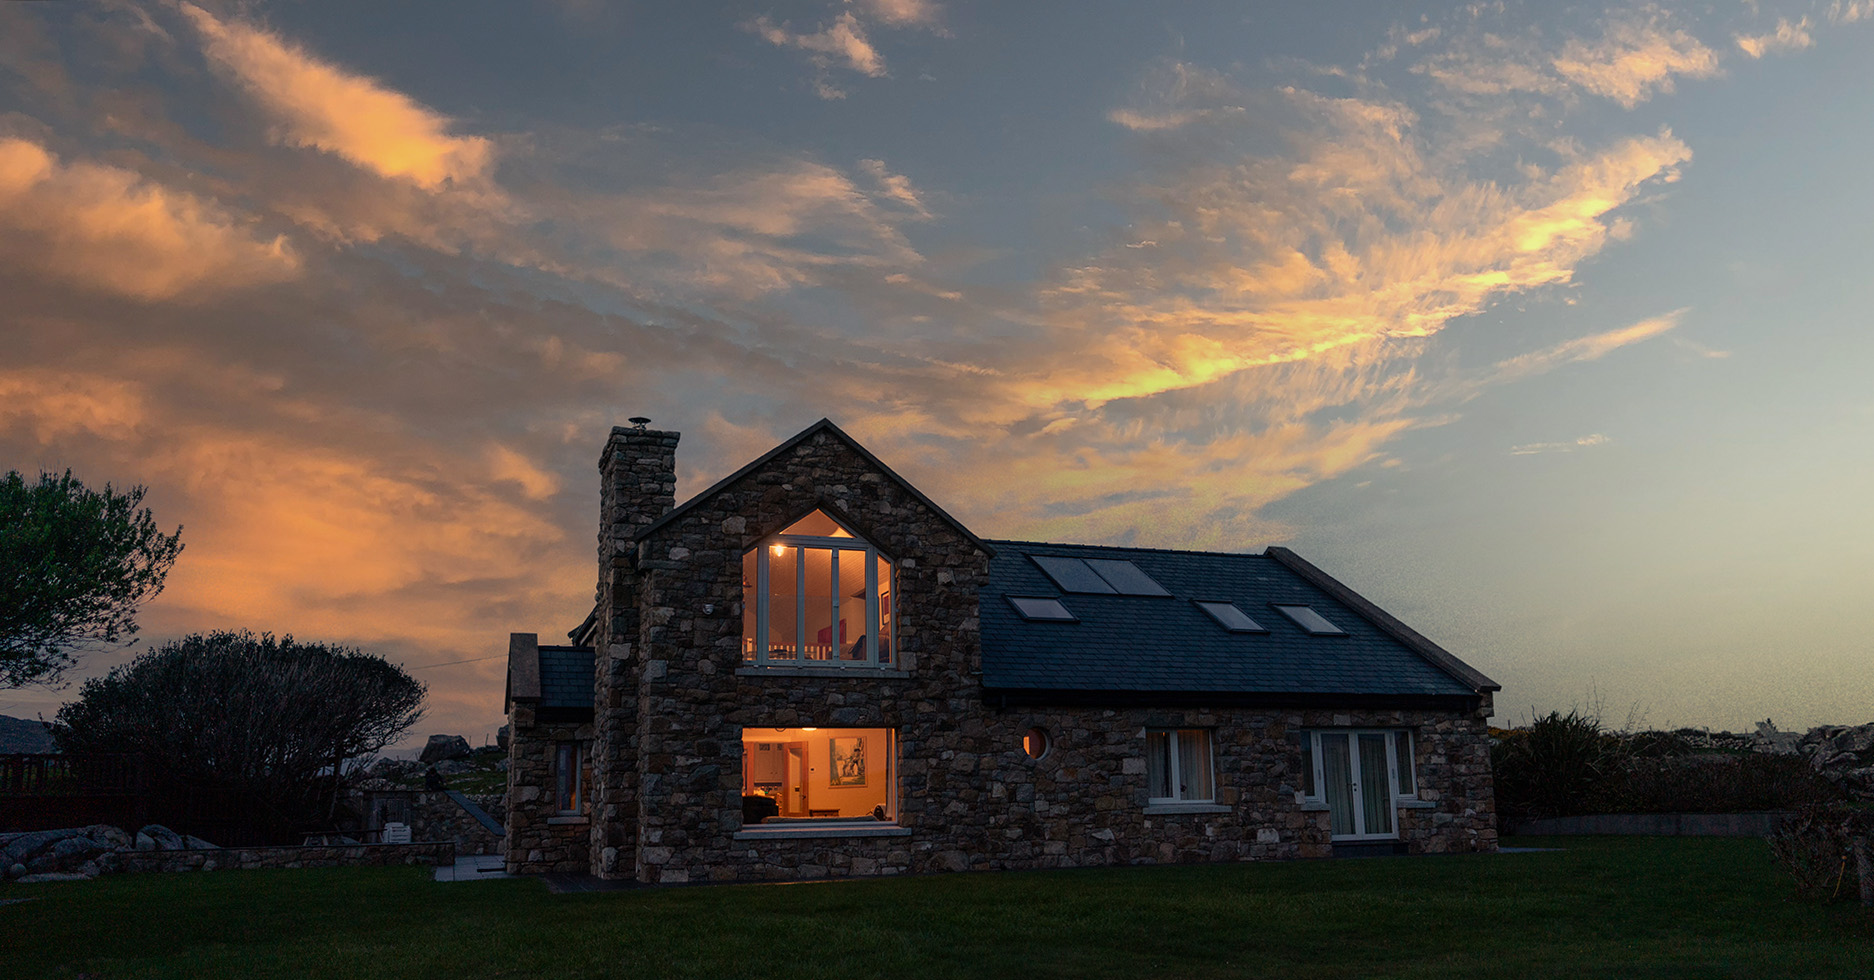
column 1318, row 776
column 1175, row 737
column 854, row 545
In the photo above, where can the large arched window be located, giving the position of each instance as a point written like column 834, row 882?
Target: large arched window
column 816, row 595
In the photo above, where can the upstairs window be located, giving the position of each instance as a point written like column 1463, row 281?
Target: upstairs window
column 817, row 595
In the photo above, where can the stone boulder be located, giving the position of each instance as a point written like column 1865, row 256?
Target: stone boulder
column 165, row 839
column 71, row 850
column 444, row 747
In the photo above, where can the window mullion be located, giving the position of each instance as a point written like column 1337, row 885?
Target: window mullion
column 1176, row 782
column 871, row 607
column 833, row 631
column 761, row 606
column 800, row 605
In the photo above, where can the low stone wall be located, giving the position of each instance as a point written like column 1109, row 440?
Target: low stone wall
column 1761, row 824
column 320, row 856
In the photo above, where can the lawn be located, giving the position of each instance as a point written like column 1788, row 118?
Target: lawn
column 1605, row 907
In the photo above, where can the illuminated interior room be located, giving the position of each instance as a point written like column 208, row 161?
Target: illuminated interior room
column 816, row 594
column 818, row 774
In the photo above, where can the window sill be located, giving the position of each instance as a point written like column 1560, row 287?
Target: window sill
column 567, row 820
column 1313, row 806
column 853, row 671
column 1155, row 809
column 1417, row 805
column 795, row 831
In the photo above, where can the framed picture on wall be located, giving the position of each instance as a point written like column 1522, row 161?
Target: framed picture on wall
column 848, row 762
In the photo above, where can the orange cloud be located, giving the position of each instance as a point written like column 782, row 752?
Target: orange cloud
column 318, row 105
column 1786, row 37
column 57, row 405
column 101, row 226
column 1634, row 59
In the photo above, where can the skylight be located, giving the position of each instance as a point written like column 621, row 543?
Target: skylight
column 1073, row 575
column 1041, row 610
column 1306, row 618
column 1125, row 577
column 1098, row 576
column 1230, row 618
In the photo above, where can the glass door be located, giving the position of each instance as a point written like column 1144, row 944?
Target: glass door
column 1356, row 782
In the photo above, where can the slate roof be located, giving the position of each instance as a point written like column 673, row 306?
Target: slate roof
column 1166, row 644
column 565, row 677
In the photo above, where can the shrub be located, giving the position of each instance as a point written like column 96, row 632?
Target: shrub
column 1717, row 784
column 1813, row 848
column 1559, row 766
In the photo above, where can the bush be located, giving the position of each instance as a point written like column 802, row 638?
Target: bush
column 253, row 724
column 1717, row 784
column 1565, row 765
column 1557, row 767
column 1814, row 848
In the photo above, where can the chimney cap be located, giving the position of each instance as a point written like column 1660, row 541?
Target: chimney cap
column 639, row 421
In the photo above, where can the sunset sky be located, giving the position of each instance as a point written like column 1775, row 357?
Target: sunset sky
column 1546, row 328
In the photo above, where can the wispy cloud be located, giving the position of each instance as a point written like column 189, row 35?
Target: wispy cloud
column 844, row 42
column 319, row 105
column 1635, row 55
column 1535, row 448
column 1786, row 37
column 102, row 226
column 1588, row 348
column 1850, row 11
column 1638, row 55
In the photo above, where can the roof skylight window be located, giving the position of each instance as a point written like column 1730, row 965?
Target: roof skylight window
column 1073, row 575
column 1230, row 618
column 1098, row 576
column 1039, row 609
column 1125, row 577
column 1315, row 623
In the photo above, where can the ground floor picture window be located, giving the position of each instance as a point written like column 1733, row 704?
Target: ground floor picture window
column 1177, row 765
column 819, row 774
column 1361, row 776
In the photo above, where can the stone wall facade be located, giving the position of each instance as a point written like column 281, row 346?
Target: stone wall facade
column 322, row 856
column 540, row 839
column 673, row 696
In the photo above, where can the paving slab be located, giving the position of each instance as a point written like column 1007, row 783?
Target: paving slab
column 474, row 867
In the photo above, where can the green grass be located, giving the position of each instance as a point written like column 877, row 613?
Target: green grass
column 1606, row 907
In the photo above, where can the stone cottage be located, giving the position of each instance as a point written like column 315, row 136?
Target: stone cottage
column 811, row 670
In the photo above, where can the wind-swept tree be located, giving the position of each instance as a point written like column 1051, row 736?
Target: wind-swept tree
column 75, row 564
column 269, row 719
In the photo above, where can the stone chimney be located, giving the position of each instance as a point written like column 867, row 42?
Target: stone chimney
column 638, row 475
column 638, row 485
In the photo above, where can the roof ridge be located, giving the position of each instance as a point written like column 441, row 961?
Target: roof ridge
column 1018, row 545
column 824, row 425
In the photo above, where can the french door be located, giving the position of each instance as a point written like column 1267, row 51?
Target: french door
column 1357, row 780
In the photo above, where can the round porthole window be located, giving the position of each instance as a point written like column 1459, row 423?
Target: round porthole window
column 1035, row 743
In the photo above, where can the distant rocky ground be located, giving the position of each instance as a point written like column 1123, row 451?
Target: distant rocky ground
column 83, row 852
column 24, row 735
